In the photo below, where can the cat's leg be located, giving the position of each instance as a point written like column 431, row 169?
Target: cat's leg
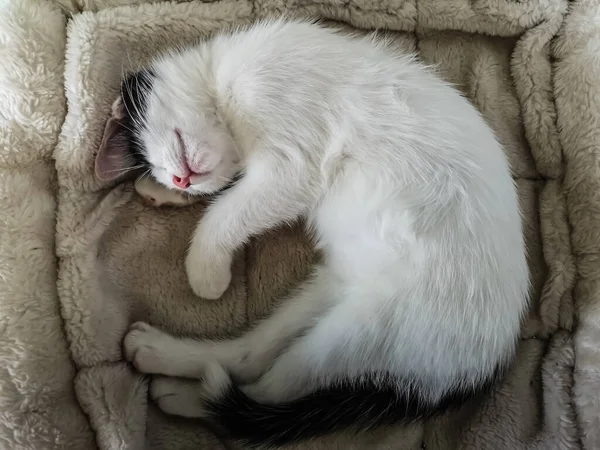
column 295, row 373
column 247, row 357
column 267, row 195
column 289, row 378
column 342, row 341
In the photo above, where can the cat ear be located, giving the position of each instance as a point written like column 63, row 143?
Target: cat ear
column 112, row 159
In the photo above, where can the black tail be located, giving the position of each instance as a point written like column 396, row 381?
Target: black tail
column 357, row 406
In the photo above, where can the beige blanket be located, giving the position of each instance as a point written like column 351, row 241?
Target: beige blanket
column 79, row 260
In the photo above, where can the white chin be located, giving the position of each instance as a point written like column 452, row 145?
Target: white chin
column 205, row 188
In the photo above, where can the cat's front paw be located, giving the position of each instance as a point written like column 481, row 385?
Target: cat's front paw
column 209, row 275
column 157, row 195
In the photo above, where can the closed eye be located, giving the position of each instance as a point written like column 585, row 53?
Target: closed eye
column 180, row 140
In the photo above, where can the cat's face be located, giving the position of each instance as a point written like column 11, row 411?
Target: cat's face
column 168, row 126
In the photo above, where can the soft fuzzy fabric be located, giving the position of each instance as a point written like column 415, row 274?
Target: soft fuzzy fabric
column 66, row 299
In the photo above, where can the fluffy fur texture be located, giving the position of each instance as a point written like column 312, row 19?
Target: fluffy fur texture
column 409, row 196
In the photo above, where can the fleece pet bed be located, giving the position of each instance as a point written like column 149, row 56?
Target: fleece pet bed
column 81, row 260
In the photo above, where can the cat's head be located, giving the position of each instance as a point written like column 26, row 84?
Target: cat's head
column 168, row 126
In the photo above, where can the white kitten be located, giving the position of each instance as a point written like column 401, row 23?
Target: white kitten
column 418, row 304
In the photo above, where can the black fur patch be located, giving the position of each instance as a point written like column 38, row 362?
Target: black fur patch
column 347, row 406
column 134, row 94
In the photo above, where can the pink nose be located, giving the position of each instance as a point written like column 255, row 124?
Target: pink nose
column 182, row 183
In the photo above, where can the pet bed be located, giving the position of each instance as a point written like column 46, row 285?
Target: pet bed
column 81, row 260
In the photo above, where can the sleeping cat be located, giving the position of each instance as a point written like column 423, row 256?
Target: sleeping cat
column 418, row 303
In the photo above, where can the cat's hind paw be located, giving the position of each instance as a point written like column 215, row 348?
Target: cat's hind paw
column 178, row 396
column 189, row 398
column 149, row 349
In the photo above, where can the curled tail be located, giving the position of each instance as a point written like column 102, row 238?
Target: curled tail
column 373, row 401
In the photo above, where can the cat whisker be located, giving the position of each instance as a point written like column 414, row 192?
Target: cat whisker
column 146, row 174
column 121, row 171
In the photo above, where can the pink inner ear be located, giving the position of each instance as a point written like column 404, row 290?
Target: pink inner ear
column 112, row 159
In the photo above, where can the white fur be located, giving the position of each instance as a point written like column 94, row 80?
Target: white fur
column 404, row 185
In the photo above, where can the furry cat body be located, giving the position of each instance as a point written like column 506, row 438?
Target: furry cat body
column 420, row 297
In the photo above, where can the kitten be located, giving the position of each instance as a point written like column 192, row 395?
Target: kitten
column 418, row 304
